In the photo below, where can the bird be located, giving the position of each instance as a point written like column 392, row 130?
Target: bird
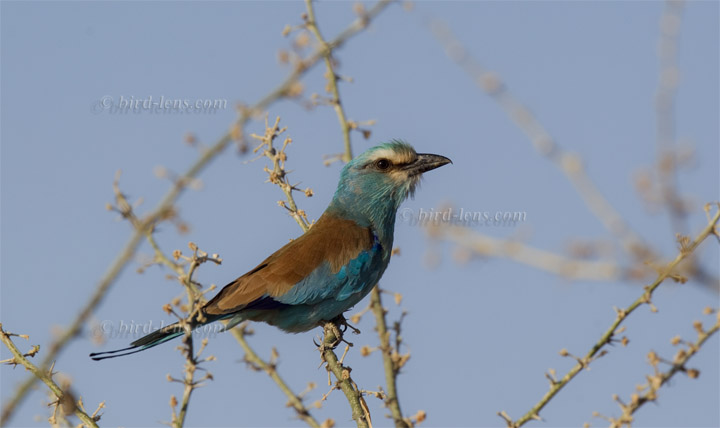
column 313, row 279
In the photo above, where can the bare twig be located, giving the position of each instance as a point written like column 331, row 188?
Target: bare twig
column 195, row 301
column 665, row 272
column 360, row 413
column 332, row 79
column 189, row 382
column 390, row 367
column 65, row 399
column 73, row 331
column 278, row 175
column 648, row 391
column 253, row 358
column 522, row 253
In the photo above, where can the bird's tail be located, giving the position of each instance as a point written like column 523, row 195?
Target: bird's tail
column 146, row 342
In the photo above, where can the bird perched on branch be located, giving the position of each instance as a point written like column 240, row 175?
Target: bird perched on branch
column 330, row 268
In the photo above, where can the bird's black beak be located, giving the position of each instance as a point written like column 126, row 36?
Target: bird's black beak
column 425, row 162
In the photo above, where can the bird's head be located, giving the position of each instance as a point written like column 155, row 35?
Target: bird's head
column 375, row 183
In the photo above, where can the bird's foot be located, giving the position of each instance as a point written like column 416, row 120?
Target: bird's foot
column 336, row 335
column 333, row 335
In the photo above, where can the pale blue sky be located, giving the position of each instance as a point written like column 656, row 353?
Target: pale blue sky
column 482, row 333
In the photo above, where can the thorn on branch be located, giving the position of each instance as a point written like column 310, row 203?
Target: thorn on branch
column 583, row 362
column 508, row 420
column 551, row 375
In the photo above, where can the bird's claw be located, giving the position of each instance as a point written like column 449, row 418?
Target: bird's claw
column 354, row 329
column 342, row 321
column 331, row 328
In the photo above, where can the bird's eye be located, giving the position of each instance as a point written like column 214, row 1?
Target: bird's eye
column 382, row 164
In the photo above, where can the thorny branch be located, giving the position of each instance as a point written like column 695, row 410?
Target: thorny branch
column 648, row 391
column 195, row 300
column 66, row 401
column 392, row 362
column 189, row 382
column 278, row 175
column 165, row 206
column 253, row 359
column 668, row 271
column 332, row 79
column 360, row 411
